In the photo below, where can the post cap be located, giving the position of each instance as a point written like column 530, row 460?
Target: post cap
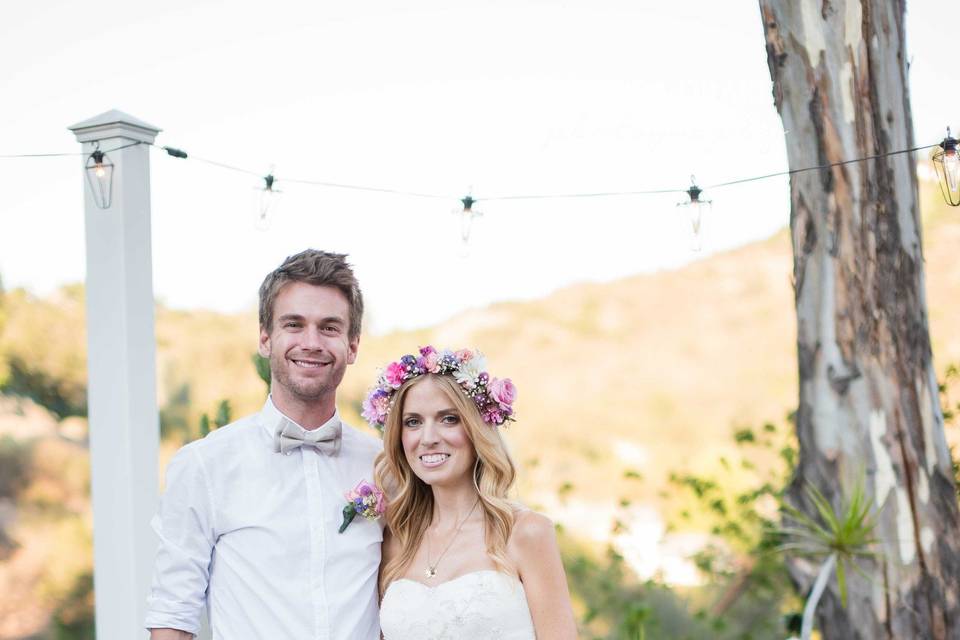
column 114, row 124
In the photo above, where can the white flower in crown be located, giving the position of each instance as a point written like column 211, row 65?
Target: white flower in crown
column 470, row 370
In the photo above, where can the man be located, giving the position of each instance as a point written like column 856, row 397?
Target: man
column 248, row 523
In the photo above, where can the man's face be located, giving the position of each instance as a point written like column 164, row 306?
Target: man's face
column 308, row 345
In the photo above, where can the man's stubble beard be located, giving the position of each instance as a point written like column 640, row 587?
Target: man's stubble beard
column 313, row 390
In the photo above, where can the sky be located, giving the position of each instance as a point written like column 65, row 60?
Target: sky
column 494, row 98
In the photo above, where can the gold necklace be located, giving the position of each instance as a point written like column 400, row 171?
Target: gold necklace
column 431, row 569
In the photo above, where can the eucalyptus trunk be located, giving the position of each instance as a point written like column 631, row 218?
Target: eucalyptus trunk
column 869, row 402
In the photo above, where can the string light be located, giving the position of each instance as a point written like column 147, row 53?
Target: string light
column 946, row 161
column 467, row 216
column 268, row 202
column 696, row 208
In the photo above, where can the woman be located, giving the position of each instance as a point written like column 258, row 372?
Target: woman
column 459, row 559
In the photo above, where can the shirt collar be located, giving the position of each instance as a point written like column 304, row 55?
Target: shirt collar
column 271, row 417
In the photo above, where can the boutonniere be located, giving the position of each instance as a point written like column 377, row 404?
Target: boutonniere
column 365, row 500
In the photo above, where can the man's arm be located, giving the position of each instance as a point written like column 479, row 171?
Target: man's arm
column 186, row 526
column 169, row 634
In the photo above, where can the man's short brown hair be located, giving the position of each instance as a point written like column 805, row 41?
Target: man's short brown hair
column 318, row 268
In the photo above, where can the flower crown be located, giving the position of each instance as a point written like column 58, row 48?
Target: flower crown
column 494, row 397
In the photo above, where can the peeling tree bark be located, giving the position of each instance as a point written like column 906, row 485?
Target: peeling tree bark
column 868, row 392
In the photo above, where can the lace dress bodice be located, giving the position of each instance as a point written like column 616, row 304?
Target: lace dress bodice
column 482, row 605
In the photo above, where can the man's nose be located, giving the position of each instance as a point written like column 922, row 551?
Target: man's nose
column 312, row 338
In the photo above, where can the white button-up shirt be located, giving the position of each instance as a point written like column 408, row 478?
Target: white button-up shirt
column 253, row 534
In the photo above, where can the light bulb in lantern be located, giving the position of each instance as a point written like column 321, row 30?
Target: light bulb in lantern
column 467, row 214
column 951, row 167
column 696, row 223
column 266, row 208
column 99, row 172
column 696, row 208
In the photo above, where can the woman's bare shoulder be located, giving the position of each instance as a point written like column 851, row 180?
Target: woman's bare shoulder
column 529, row 524
column 530, row 528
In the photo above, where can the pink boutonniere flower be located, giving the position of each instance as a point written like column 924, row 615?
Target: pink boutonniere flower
column 364, row 500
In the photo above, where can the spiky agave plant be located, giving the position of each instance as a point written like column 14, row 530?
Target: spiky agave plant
column 838, row 537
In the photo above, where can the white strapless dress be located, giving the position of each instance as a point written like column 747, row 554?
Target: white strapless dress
column 481, row 605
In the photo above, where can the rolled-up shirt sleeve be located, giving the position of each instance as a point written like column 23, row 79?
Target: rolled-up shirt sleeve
column 186, row 526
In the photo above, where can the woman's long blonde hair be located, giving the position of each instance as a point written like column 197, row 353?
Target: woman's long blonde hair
column 410, row 499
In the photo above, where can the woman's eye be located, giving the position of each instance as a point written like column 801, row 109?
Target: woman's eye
column 411, row 422
column 451, row 419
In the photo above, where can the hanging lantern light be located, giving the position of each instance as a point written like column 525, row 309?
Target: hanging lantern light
column 268, row 203
column 696, row 208
column 467, row 215
column 946, row 161
column 99, row 172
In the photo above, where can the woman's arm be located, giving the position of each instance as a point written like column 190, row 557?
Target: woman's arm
column 387, row 549
column 386, row 552
column 537, row 555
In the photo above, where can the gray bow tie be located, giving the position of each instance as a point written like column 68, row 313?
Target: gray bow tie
column 289, row 436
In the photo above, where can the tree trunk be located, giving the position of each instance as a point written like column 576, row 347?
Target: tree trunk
column 869, row 405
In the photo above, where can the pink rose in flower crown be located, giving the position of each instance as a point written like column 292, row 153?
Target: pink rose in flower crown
column 503, row 392
column 463, row 354
column 394, row 374
column 429, row 359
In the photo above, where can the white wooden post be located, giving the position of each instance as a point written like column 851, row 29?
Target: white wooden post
column 124, row 424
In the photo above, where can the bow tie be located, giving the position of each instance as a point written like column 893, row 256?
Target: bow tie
column 289, row 436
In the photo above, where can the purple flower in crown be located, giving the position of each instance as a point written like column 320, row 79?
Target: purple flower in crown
column 375, row 406
column 492, row 415
column 448, row 362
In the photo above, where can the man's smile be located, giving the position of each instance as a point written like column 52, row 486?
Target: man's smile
column 309, row 364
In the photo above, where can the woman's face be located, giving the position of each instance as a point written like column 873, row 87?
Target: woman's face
column 435, row 442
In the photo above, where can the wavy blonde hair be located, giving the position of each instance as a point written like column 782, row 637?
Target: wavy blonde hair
column 410, row 499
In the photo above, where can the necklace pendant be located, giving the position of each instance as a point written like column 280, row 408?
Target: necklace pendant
column 430, row 572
